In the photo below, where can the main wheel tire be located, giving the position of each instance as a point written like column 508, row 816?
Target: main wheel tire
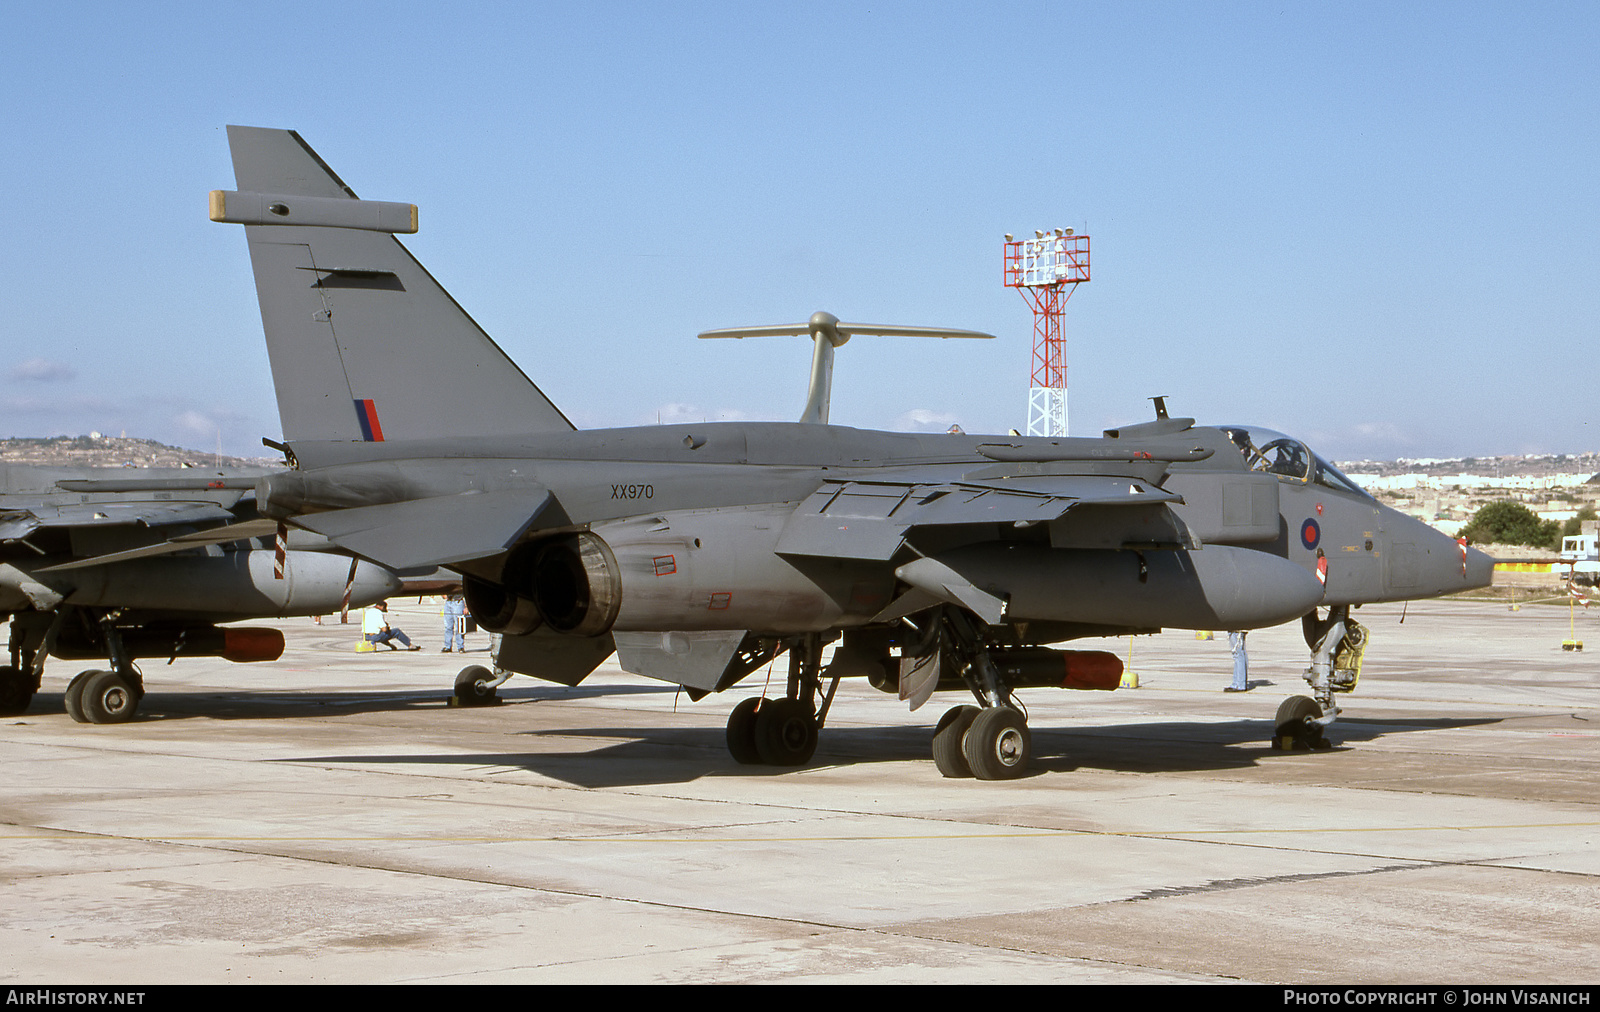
column 742, row 732
column 108, row 698
column 786, row 732
column 473, row 688
column 998, row 745
column 72, row 699
column 16, row 691
column 948, row 737
column 1294, row 721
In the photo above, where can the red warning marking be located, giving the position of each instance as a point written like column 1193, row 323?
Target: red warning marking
column 666, row 565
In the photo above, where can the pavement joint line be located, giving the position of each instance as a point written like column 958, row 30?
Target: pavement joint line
column 1173, row 834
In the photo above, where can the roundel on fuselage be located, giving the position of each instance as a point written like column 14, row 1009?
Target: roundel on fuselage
column 1310, row 533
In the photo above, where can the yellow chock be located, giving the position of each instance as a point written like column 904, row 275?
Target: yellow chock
column 1130, row 680
column 364, row 647
column 1572, row 644
column 1204, row 634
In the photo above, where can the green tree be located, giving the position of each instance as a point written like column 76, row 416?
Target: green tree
column 1511, row 523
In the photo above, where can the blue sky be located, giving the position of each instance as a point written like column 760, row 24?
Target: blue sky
column 1371, row 225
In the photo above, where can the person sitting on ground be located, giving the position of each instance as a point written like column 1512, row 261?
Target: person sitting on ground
column 375, row 628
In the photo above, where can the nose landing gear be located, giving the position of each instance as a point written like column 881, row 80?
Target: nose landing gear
column 1337, row 644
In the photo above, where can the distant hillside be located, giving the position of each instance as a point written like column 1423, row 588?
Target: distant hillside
column 1508, row 465
column 95, row 450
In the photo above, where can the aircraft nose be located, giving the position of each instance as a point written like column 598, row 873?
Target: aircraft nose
column 1479, row 568
column 1425, row 562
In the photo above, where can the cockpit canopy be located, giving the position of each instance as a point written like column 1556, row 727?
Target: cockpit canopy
column 1287, row 458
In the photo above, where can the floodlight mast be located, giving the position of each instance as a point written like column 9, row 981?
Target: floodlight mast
column 1047, row 269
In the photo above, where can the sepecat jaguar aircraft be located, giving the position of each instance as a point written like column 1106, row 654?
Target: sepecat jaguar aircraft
column 118, row 564
column 699, row 553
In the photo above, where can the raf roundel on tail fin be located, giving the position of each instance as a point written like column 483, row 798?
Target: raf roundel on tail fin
column 357, row 330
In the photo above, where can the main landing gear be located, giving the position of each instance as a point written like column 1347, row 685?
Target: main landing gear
column 96, row 696
column 19, row 680
column 99, row 696
column 783, row 732
column 17, row 687
column 1337, row 644
column 990, row 741
column 990, row 744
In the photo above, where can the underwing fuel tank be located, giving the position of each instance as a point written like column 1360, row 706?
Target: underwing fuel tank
column 1063, row 669
column 241, row 583
column 239, row 645
column 1217, row 587
column 1040, row 668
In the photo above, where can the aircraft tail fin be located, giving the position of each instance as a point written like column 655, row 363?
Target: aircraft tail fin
column 365, row 345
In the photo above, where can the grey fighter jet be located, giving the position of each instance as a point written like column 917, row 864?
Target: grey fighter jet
column 698, row 553
column 121, row 563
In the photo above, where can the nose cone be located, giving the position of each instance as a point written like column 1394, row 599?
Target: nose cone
column 1479, row 570
column 1424, row 562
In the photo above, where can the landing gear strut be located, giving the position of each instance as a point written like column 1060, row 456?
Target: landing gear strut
column 19, row 680
column 783, row 732
column 107, row 697
column 1337, row 644
column 991, row 741
column 96, row 696
column 16, row 690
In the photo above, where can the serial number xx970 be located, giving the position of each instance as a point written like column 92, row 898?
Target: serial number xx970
column 633, row 492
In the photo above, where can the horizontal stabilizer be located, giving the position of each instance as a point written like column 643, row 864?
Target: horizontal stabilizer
column 432, row 532
column 20, row 523
column 234, row 207
column 829, row 333
column 198, row 539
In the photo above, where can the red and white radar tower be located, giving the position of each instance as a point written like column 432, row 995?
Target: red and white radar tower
column 1047, row 269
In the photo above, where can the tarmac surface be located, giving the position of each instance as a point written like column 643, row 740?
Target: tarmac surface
column 327, row 818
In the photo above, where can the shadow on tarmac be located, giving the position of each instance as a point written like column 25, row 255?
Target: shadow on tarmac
column 663, row 755
column 271, row 704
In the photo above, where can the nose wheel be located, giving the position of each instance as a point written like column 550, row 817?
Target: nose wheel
column 1296, row 725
